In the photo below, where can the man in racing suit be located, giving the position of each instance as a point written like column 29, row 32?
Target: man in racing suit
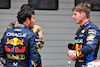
column 36, row 29
column 87, row 37
column 19, row 43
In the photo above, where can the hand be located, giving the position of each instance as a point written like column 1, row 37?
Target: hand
column 72, row 55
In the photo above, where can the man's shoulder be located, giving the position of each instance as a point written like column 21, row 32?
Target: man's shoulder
column 28, row 31
column 93, row 26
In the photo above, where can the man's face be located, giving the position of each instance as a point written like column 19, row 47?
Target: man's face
column 32, row 21
column 78, row 17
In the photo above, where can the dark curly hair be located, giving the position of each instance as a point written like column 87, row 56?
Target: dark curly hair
column 25, row 6
column 24, row 13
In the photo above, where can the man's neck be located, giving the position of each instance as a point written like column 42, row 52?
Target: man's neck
column 84, row 21
column 25, row 24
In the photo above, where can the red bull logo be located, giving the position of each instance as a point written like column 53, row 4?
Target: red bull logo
column 15, row 41
column 79, row 54
column 78, row 47
column 16, row 49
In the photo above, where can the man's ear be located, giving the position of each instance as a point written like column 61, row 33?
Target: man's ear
column 27, row 20
column 84, row 15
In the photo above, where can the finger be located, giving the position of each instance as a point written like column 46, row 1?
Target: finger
column 73, row 57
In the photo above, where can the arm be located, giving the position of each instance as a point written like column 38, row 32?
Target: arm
column 38, row 30
column 2, row 53
column 2, row 50
column 91, row 44
column 35, row 56
column 92, row 41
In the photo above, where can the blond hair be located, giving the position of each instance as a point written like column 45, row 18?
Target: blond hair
column 83, row 7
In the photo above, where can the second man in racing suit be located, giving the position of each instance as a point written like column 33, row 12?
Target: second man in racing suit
column 87, row 37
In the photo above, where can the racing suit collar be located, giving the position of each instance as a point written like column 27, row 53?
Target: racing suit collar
column 87, row 23
column 21, row 25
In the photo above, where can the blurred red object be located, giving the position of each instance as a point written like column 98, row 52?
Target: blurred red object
column 94, row 63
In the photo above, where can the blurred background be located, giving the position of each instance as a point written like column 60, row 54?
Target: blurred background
column 58, row 28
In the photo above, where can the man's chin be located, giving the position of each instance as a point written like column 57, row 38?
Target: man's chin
column 77, row 22
column 30, row 27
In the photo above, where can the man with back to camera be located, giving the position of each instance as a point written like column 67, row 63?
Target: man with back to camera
column 19, row 43
column 36, row 29
column 87, row 37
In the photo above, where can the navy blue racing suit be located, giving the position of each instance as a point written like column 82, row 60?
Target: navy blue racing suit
column 87, row 40
column 17, row 45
